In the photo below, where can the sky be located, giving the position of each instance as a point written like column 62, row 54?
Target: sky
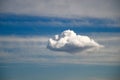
column 59, row 40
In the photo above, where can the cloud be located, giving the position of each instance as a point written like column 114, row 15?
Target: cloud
column 69, row 41
column 63, row 8
column 32, row 49
column 23, row 39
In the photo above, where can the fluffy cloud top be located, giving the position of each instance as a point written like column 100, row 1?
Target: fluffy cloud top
column 69, row 41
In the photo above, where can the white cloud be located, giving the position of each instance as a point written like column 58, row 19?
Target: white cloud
column 69, row 41
column 63, row 8
column 16, row 49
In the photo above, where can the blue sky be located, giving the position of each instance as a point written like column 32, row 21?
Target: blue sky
column 27, row 25
column 41, row 25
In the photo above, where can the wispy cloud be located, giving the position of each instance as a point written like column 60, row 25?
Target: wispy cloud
column 23, row 39
column 17, row 20
column 63, row 8
column 14, row 49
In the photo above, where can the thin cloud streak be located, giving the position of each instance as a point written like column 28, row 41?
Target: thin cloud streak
column 31, row 50
column 63, row 8
column 23, row 39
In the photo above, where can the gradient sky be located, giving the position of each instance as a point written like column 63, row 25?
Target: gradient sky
column 26, row 26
